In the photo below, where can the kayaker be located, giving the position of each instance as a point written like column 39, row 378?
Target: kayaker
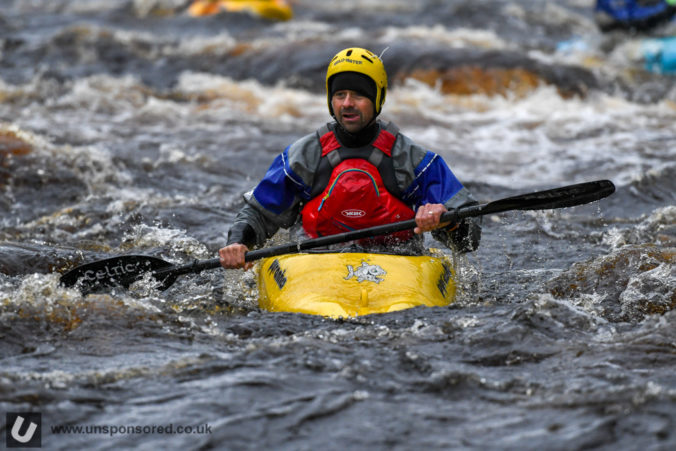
column 353, row 173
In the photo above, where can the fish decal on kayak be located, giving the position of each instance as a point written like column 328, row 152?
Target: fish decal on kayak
column 365, row 271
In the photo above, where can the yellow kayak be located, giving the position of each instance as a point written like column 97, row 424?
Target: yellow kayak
column 269, row 9
column 353, row 284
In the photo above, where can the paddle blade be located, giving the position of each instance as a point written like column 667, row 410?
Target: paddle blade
column 116, row 271
column 567, row 196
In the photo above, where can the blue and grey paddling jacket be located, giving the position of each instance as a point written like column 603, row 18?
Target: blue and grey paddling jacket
column 302, row 180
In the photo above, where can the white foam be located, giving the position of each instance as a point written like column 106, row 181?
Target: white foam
column 537, row 139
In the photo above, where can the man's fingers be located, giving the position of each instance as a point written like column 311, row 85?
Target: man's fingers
column 427, row 217
column 233, row 256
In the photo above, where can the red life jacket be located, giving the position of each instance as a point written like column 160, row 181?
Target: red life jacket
column 355, row 188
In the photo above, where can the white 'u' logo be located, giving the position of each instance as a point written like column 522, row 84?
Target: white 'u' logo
column 28, row 435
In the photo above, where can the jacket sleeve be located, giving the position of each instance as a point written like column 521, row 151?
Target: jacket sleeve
column 276, row 201
column 465, row 235
column 253, row 224
column 434, row 183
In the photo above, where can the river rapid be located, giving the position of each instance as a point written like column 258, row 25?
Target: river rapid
column 131, row 127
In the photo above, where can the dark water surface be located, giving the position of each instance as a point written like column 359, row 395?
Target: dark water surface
column 130, row 127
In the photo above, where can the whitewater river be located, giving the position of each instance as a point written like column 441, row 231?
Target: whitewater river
column 131, row 127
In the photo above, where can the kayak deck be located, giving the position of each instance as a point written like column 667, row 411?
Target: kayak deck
column 353, row 284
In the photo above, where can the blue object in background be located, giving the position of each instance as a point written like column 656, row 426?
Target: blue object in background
column 660, row 55
column 632, row 10
column 633, row 14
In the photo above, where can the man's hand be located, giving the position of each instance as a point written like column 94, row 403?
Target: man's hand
column 428, row 216
column 232, row 256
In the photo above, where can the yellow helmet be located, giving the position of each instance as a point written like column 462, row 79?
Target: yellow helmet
column 362, row 61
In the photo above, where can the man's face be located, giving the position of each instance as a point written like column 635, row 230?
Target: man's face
column 353, row 111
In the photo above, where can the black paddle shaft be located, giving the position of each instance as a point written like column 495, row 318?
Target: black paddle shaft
column 125, row 269
column 567, row 196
